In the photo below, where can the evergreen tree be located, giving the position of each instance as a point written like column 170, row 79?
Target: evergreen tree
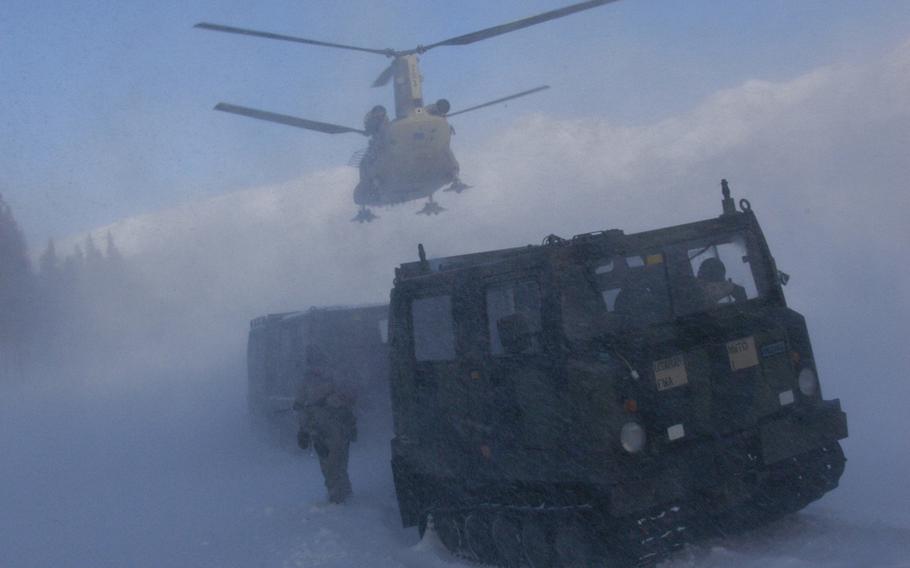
column 73, row 266
column 94, row 260
column 49, row 263
column 112, row 253
column 54, row 296
column 13, row 256
column 16, row 292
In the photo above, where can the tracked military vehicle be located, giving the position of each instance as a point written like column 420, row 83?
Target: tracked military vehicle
column 353, row 339
column 607, row 397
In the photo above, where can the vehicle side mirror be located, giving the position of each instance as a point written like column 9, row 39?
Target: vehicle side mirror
column 514, row 333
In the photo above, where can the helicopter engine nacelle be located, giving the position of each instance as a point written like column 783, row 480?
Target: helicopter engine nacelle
column 439, row 108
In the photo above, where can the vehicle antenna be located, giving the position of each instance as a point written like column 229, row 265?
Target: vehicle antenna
column 424, row 265
column 728, row 204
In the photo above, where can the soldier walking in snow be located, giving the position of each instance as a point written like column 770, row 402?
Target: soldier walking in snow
column 327, row 422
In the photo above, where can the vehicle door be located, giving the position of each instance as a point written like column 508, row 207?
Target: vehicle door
column 520, row 373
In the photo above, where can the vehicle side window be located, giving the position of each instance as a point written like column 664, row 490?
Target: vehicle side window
column 513, row 318
column 257, row 359
column 634, row 286
column 384, row 330
column 271, row 359
column 608, row 281
column 434, row 329
column 289, row 372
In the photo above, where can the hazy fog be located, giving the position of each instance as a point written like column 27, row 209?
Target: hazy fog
column 142, row 458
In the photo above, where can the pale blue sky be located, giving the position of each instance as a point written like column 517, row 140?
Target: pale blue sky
column 107, row 104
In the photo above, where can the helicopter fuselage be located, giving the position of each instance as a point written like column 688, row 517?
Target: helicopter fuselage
column 408, row 158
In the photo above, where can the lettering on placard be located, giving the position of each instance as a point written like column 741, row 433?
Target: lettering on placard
column 670, row 372
column 742, row 353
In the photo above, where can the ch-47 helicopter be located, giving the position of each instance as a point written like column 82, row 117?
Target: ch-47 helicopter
column 410, row 157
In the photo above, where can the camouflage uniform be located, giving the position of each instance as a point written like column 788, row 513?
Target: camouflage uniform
column 327, row 421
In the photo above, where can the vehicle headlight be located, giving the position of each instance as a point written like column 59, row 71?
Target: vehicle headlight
column 808, row 382
column 633, row 437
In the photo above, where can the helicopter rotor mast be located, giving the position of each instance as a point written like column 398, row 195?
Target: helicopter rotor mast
column 408, row 84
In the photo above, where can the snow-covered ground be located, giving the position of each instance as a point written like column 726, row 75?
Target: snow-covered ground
column 166, row 472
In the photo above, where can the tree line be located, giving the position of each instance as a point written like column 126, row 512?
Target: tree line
column 65, row 309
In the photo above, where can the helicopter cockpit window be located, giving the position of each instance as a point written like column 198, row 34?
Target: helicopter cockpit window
column 434, row 328
column 719, row 272
column 635, row 287
column 513, row 318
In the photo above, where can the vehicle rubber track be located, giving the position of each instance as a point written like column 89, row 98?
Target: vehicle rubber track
column 579, row 535
column 510, row 536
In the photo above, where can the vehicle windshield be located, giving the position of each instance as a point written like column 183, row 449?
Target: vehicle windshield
column 653, row 287
column 713, row 273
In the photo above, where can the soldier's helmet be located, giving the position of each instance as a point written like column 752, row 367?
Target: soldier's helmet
column 712, row 270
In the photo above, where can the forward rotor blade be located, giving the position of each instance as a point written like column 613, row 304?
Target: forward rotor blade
column 384, row 77
column 502, row 100
column 287, row 119
column 516, row 25
column 269, row 35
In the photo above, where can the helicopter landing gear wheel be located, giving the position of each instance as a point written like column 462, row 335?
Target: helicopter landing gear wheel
column 431, row 208
column 365, row 215
column 457, row 186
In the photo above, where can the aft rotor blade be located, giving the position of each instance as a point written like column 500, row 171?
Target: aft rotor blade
column 516, row 25
column 326, row 127
column 384, row 77
column 502, row 100
column 270, row 35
